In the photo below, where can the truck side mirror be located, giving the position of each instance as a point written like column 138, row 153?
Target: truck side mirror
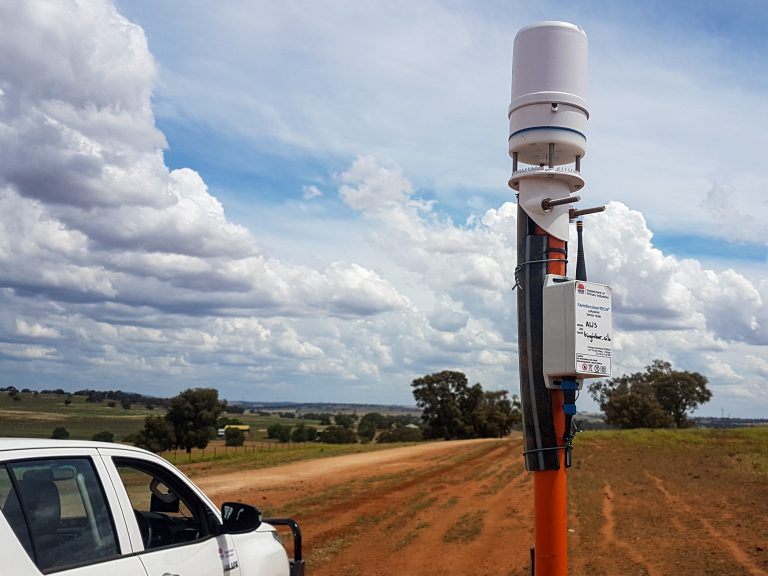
column 240, row 518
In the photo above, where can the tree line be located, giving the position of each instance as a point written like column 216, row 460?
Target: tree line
column 193, row 417
column 451, row 409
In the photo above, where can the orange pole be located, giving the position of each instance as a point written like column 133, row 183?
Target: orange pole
column 549, row 486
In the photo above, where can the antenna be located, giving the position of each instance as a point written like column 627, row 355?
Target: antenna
column 581, row 265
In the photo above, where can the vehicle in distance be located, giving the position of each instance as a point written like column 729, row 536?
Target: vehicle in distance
column 86, row 508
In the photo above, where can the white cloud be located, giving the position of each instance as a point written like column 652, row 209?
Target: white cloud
column 135, row 275
column 656, row 291
column 310, row 192
column 35, row 330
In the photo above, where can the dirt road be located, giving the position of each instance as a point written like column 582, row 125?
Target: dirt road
column 465, row 508
column 439, row 508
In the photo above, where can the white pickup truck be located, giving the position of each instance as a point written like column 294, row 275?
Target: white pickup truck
column 93, row 508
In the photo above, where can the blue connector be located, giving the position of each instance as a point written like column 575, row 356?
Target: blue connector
column 569, row 409
column 569, row 385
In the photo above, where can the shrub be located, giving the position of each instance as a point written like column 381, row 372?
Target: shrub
column 279, row 432
column 234, row 437
column 402, row 434
column 60, row 433
column 338, row 435
column 103, row 436
column 304, row 433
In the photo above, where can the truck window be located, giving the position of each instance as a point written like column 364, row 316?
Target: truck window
column 167, row 511
column 62, row 516
column 11, row 507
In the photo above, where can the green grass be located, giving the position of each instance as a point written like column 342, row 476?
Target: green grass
column 466, row 529
column 411, row 536
column 330, row 549
column 450, row 503
column 37, row 416
column 743, row 448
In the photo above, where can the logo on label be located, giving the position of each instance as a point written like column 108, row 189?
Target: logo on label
column 580, row 288
column 589, row 367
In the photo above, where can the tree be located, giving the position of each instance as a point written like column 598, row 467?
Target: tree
column 338, row 435
column 657, row 398
column 193, row 414
column 304, row 433
column 400, row 434
column 495, row 415
column 60, row 433
column 325, row 419
column 345, row 420
column 103, row 436
column 440, row 397
column 678, row 392
column 67, row 400
column 234, row 437
column 158, row 435
column 366, row 429
column 453, row 409
column 279, row 432
column 629, row 402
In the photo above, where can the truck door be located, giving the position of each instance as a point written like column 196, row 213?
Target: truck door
column 60, row 514
column 179, row 531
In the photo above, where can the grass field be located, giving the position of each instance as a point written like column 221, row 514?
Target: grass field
column 737, row 449
column 37, row 416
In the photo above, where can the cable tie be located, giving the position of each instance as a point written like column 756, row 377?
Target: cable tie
column 537, row 450
column 519, row 268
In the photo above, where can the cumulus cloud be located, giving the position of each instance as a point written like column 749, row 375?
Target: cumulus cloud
column 116, row 269
column 654, row 291
column 92, row 212
column 663, row 306
column 125, row 263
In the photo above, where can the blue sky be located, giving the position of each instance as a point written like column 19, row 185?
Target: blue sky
column 308, row 201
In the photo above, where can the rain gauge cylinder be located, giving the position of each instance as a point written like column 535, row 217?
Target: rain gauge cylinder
column 547, row 120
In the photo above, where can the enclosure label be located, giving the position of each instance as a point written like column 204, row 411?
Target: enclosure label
column 593, row 329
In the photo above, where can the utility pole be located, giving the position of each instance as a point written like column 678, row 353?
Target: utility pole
column 563, row 324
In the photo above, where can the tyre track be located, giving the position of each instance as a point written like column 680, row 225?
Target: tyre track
column 427, row 508
column 611, row 539
column 725, row 543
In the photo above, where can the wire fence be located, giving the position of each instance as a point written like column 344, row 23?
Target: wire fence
column 220, row 451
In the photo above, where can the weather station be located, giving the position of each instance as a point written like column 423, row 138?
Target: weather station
column 564, row 324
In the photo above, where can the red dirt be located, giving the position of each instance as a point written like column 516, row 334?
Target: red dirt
column 398, row 512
